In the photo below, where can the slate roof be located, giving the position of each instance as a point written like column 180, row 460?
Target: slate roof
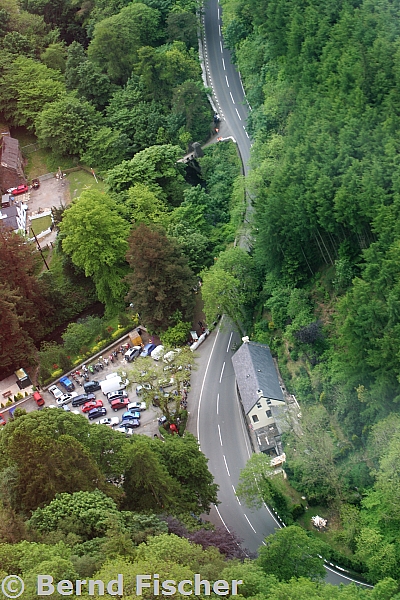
column 10, row 152
column 255, row 370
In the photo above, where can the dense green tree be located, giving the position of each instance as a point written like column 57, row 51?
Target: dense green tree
column 291, row 552
column 67, row 125
column 20, row 103
column 117, row 39
column 100, row 254
column 106, row 148
column 182, row 27
column 161, row 281
column 55, row 56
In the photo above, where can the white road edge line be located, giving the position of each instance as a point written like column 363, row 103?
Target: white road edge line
column 247, row 519
column 223, row 522
column 217, row 404
column 226, row 465
column 220, row 45
column 202, row 385
column 243, row 429
column 229, row 343
column 223, row 63
column 222, row 372
column 237, row 497
column 219, row 432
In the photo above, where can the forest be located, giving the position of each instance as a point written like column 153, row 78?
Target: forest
column 322, row 79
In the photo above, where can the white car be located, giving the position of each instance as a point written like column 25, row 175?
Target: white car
column 140, row 388
column 57, row 393
column 157, row 353
column 123, row 430
column 66, row 398
column 111, row 421
column 169, row 357
column 136, row 406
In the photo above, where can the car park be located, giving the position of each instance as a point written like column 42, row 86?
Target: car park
column 118, row 404
column 132, row 353
column 55, row 391
column 67, row 384
column 148, row 349
column 137, row 406
column 91, row 386
column 131, row 414
column 92, row 404
column 2, row 421
column 38, row 398
column 94, row 413
column 79, row 400
column 110, row 421
column 169, row 356
column 124, row 430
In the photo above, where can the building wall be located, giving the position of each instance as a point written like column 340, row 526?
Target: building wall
column 260, row 415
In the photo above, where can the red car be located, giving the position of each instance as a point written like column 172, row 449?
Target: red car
column 21, row 189
column 38, row 399
column 119, row 403
column 94, row 404
column 2, row 420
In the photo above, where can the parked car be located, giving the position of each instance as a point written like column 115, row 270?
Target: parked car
column 2, row 421
column 148, row 349
column 137, row 406
column 158, row 352
column 93, row 404
column 132, row 424
column 91, row 386
column 118, row 404
column 140, row 388
column 124, row 430
column 97, row 412
column 38, row 398
column 57, row 393
column 110, row 421
column 132, row 353
column 169, row 357
column 66, row 399
column 116, row 394
column 79, row 400
column 66, row 408
column 67, row 384
column 131, row 414
column 21, row 189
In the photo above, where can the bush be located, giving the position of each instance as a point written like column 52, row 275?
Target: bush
column 297, row 511
column 176, row 335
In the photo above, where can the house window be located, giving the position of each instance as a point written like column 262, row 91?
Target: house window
column 255, row 418
column 258, row 405
column 269, row 401
column 268, row 413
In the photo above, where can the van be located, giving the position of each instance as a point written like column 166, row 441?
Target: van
column 91, row 386
column 157, row 353
column 38, row 399
column 132, row 353
column 116, row 395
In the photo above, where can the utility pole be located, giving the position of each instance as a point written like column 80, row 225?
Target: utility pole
column 40, row 250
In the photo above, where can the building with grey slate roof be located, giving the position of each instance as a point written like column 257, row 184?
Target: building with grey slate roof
column 260, row 394
column 11, row 163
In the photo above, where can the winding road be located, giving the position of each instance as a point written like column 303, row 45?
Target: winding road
column 216, row 415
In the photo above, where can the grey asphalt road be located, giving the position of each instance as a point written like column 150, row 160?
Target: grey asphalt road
column 218, row 419
column 225, row 79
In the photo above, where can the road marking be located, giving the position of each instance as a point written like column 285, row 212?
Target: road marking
column 229, row 343
column 234, row 491
column 218, row 14
column 219, row 431
column 222, row 372
column 217, row 404
column 245, row 437
column 220, row 45
column 202, row 385
column 240, row 118
column 223, row 63
column 226, row 465
column 223, row 522
column 219, row 29
column 247, row 519
column 264, row 543
column 227, row 82
column 232, row 99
